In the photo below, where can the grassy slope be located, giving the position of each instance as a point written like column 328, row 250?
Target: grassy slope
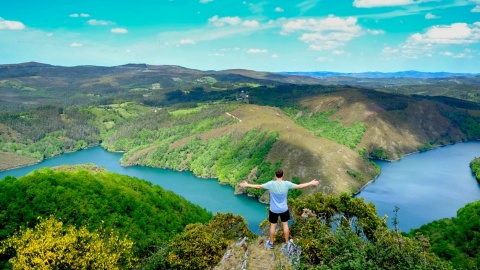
column 12, row 160
column 303, row 154
column 397, row 124
column 398, row 129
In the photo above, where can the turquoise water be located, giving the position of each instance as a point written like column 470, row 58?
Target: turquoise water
column 425, row 186
column 204, row 192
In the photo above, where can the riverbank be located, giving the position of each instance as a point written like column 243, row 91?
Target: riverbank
column 10, row 161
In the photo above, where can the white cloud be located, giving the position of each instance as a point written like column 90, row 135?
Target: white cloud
column 216, row 54
column 476, row 9
column 76, row 15
column 186, row 41
column 430, row 16
column 274, row 55
column 205, row 1
column 454, row 55
column 383, row 3
column 99, row 22
column 279, row 9
column 256, row 8
column 323, row 59
column 257, row 51
column 307, row 5
column 324, row 34
column 217, row 21
column 457, row 33
column 230, row 49
column 376, row 32
column 338, row 52
column 331, row 23
column 11, row 25
column 119, row 30
column 49, row 34
column 76, row 45
column 390, row 53
column 232, row 21
column 250, row 23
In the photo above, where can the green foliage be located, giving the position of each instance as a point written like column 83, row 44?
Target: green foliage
column 345, row 233
column 322, row 125
column 294, row 193
column 426, row 146
column 146, row 213
column 230, row 158
column 161, row 127
column 470, row 125
column 456, row 239
column 329, row 207
column 263, row 174
column 357, row 175
column 285, row 95
column 200, row 246
column 379, row 153
column 49, row 131
column 475, row 166
column 50, row 245
column 196, row 248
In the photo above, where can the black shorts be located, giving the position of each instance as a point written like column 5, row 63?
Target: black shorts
column 273, row 217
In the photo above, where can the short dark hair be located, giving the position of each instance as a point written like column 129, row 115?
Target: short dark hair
column 279, row 173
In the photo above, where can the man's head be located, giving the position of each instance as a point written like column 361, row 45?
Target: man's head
column 279, row 173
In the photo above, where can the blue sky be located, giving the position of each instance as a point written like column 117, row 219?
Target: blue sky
column 280, row 35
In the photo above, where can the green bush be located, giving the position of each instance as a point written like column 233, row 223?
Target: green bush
column 456, row 239
column 93, row 197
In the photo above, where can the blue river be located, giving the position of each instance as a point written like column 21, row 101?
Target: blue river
column 425, row 186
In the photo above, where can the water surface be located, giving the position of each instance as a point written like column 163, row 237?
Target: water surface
column 425, row 186
column 205, row 192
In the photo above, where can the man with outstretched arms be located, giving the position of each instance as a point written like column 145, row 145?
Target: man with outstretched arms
column 278, row 202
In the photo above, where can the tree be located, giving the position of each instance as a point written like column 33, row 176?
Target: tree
column 50, row 245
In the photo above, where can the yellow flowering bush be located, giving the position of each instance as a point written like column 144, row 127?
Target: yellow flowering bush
column 50, row 245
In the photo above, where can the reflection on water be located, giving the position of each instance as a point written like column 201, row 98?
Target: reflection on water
column 425, row 186
column 204, row 192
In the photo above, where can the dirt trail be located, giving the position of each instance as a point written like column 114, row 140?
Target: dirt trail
column 254, row 255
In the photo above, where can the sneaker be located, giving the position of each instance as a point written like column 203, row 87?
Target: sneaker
column 269, row 245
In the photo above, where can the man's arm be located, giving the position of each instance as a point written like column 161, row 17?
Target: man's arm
column 245, row 184
column 311, row 183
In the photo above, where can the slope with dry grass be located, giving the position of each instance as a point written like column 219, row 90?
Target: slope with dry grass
column 398, row 125
column 301, row 153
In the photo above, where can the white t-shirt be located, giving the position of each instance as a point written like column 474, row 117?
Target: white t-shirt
column 278, row 194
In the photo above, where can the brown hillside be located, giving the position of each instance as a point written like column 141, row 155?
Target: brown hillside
column 303, row 155
column 398, row 124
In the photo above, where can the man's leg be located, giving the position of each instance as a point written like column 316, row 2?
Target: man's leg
column 273, row 227
column 286, row 231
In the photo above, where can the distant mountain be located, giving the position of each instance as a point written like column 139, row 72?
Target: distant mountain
column 399, row 74
column 27, row 85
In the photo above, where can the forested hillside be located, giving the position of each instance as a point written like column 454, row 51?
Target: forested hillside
column 95, row 198
column 84, row 217
column 475, row 166
column 456, row 239
column 316, row 132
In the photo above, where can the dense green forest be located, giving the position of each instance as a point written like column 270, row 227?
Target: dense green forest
column 322, row 125
column 456, row 239
column 93, row 197
column 475, row 166
column 142, row 226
